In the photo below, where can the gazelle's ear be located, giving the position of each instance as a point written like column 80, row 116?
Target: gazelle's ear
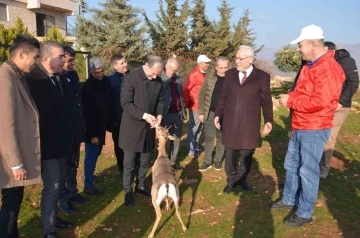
column 170, row 137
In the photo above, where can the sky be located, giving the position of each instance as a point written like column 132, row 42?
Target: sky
column 277, row 22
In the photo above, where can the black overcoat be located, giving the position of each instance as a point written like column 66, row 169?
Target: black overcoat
column 240, row 107
column 139, row 95
column 59, row 117
column 96, row 100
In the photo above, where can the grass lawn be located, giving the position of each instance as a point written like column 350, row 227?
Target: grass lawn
column 205, row 210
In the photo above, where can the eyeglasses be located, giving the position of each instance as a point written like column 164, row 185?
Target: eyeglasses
column 241, row 59
column 98, row 71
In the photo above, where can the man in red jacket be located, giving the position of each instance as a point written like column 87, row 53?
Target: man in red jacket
column 313, row 103
column 191, row 89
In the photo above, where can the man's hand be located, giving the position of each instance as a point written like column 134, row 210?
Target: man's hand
column 339, row 106
column 95, row 141
column 19, row 174
column 283, row 100
column 159, row 119
column 201, row 118
column 151, row 120
column 267, row 128
column 216, row 122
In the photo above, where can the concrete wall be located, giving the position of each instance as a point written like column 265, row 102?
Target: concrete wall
column 19, row 9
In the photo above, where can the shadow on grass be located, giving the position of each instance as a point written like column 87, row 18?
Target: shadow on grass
column 342, row 193
column 137, row 218
column 191, row 178
column 279, row 140
column 88, row 212
column 252, row 213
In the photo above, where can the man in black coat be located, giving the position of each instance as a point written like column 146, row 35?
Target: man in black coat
column 245, row 93
column 141, row 100
column 69, row 192
column 96, row 100
column 59, row 126
column 120, row 70
column 349, row 88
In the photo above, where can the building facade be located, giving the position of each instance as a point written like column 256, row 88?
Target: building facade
column 40, row 15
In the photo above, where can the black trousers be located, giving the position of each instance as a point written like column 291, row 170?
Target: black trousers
column 235, row 173
column 135, row 164
column 10, row 208
column 69, row 187
column 119, row 153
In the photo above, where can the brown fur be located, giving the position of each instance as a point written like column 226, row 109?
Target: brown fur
column 162, row 174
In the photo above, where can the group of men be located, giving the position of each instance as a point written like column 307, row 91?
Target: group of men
column 45, row 117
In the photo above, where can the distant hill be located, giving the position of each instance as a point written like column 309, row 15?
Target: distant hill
column 268, row 54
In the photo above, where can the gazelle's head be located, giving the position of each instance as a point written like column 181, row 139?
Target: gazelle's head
column 162, row 134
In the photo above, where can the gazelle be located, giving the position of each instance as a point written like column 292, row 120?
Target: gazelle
column 164, row 183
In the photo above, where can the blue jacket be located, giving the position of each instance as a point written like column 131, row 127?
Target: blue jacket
column 116, row 79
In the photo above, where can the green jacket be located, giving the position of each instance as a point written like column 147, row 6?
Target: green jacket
column 205, row 94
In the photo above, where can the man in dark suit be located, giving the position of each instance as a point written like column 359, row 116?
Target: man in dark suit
column 69, row 192
column 174, row 107
column 245, row 92
column 119, row 64
column 141, row 100
column 59, row 125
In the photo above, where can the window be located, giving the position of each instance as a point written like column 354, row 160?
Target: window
column 3, row 12
column 44, row 23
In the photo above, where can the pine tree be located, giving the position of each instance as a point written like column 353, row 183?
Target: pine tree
column 169, row 32
column 223, row 30
column 55, row 35
column 243, row 35
column 288, row 59
column 115, row 28
column 8, row 35
column 202, row 30
column 80, row 66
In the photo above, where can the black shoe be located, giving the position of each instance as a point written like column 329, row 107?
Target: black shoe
column 61, row 224
column 177, row 167
column 129, row 199
column 97, row 179
column 280, row 205
column 245, row 186
column 144, row 190
column 205, row 167
column 217, row 165
column 228, row 188
column 51, row 235
column 79, row 199
column 199, row 148
column 93, row 191
column 68, row 208
column 296, row 221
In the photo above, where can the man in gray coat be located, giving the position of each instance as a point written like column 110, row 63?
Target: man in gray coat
column 174, row 108
column 143, row 106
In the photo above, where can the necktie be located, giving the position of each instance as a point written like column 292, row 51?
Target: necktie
column 243, row 78
column 55, row 82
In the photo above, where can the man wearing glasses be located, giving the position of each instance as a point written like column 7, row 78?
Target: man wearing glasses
column 174, row 108
column 245, row 92
column 96, row 99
